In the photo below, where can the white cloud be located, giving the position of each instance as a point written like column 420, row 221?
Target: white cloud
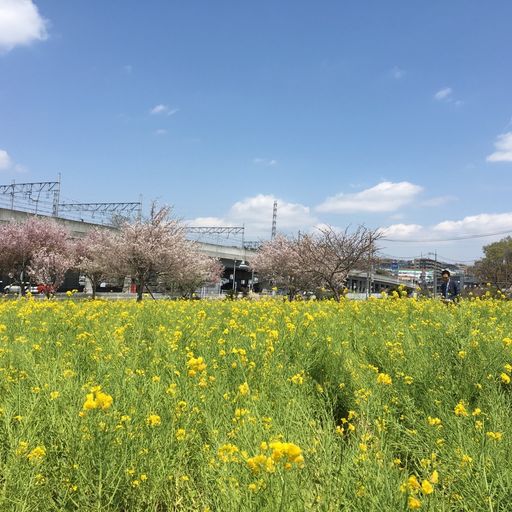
column 443, row 94
column 160, row 131
column 481, row 224
column 438, row 200
column 5, row 160
column 503, row 147
column 159, row 109
column 128, row 69
column 255, row 213
column 207, row 222
column 398, row 73
column 267, row 162
column 20, row 168
column 402, row 231
column 20, row 24
column 163, row 110
column 7, row 163
column 383, row 197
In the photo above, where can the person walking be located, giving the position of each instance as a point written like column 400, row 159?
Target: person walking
column 449, row 288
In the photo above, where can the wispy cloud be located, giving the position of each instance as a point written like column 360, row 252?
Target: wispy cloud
column 444, row 94
column 383, row 197
column 267, row 162
column 7, row 163
column 128, row 69
column 162, row 109
column 398, row 73
column 438, row 200
column 161, row 131
column 5, row 160
column 20, row 24
column 503, row 147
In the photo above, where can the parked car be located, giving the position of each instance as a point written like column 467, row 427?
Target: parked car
column 109, row 287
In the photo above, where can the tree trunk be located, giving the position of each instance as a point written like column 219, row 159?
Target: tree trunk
column 140, row 288
column 22, row 284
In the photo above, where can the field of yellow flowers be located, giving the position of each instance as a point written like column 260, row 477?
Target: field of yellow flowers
column 382, row 405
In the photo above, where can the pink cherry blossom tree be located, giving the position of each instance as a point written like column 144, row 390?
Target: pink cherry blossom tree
column 94, row 254
column 20, row 241
column 279, row 262
column 148, row 248
column 192, row 270
column 319, row 260
column 329, row 255
column 48, row 269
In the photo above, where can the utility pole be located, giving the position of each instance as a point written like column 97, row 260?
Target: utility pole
column 435, row 274
column 369, row 270
column 56, row 198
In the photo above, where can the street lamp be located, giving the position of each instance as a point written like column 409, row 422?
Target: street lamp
column 243, row 266
column 435, row 271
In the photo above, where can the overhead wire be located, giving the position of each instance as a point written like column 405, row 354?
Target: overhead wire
column 454, row 239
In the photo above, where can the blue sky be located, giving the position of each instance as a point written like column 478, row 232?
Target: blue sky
column 393, row 114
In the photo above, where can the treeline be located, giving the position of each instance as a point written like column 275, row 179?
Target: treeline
column 41, row 251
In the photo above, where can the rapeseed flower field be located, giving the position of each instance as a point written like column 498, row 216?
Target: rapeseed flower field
column 385, row 405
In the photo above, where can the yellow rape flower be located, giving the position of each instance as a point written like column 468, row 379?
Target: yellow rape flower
column 426, row 487
column 298, row 378
column 153, row 420
column 385, row 379
column 289, row 452
column 22, row 448
column 243, row 389
column 89, row 402
column 413, row 503
column 261, row 463
column 37, row 454
column 412, row 483
column 460, row 409
column 195, row 365
column 97, row 399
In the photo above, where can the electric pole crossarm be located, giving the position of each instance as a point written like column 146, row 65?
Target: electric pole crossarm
column 29, row 188
column 216, row 230
column 100, row 207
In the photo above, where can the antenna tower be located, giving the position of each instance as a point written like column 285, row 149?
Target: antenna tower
column 274, row 221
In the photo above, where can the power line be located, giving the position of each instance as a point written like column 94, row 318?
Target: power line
column 419, row 257
column 464, row 237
